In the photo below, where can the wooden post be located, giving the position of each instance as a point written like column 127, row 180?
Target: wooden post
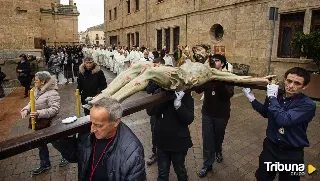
column 78, row 102
column 33, row 109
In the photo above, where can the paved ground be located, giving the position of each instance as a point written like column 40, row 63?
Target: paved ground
column 242, row 146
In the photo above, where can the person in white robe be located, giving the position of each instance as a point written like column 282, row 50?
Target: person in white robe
column 95, row 55
column 116, row 61
column 126, row 61
column 134, row 56
column 120, row 60
column 167, row 60
column 145, row 57
column 150, row 54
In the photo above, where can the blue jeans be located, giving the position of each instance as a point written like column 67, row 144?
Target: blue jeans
column 44, row 156
column 164, row 161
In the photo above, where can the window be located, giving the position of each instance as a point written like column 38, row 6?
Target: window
column 128, row 5
column 167, row 39
column 159, row 1
column 159, row 39
column 216, row 32
column 110, row 18
column 97, row 37
column 137, row 39
column 113, row 40
column 115, row 13
column 128, row 40
column 132, row 39
column 315, row 22
column 97, row 42
column 176, row 37
column 137, row 5
column 290, row 24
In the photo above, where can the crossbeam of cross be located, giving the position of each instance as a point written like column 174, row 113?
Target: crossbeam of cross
column 33, row 140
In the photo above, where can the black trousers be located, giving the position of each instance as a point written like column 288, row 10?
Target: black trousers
column 272, row 153
column 164, row 162
column 153, row 122
column 26, row 85
column 213, row 131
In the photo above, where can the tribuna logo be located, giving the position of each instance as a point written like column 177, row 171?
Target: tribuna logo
column 280, row 167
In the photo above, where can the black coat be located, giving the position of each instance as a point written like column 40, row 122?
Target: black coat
column 155, row 54
column 67, row 67
column 217, row 97
column 171, row 128
column 90, row 82
column 26, row 69
column 124, row 158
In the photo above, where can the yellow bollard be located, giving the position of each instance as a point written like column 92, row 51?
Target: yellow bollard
column 33, row 108
column 78, row 102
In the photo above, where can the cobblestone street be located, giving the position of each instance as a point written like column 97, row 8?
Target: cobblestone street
column 242, row 146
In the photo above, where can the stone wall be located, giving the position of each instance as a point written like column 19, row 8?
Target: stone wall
column 247, row 28
column 20, row 24
column 23, row 23
column 59, row 29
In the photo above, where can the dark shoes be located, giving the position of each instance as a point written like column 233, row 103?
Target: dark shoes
column 63, row 162
column 152, row 159
column 40, row 170
column 204, row 171
column 219, row 157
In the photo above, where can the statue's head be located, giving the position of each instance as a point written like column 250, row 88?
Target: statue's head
column 201, row 53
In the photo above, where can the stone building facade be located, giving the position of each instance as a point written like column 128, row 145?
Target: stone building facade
column 239, row 28
column 94, row 35
column 27, row 25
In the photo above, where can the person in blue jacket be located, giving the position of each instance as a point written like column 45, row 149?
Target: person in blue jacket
column 288, row 118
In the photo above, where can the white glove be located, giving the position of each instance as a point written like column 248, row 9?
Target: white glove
column 249, row 94
column 88, row 99
column 24, row 113
column 272, row 90
column 177, row 101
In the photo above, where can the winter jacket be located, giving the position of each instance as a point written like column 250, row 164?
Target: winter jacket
column 47, row 100
column 171, row 128
column 217, row 97
column 90, row 82
column 25, row 74
column 123, row 160
column 55, row 63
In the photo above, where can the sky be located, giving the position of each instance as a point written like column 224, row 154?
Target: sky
column 91, row 13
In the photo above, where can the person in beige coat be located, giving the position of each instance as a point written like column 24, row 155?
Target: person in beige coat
column 47, row 103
